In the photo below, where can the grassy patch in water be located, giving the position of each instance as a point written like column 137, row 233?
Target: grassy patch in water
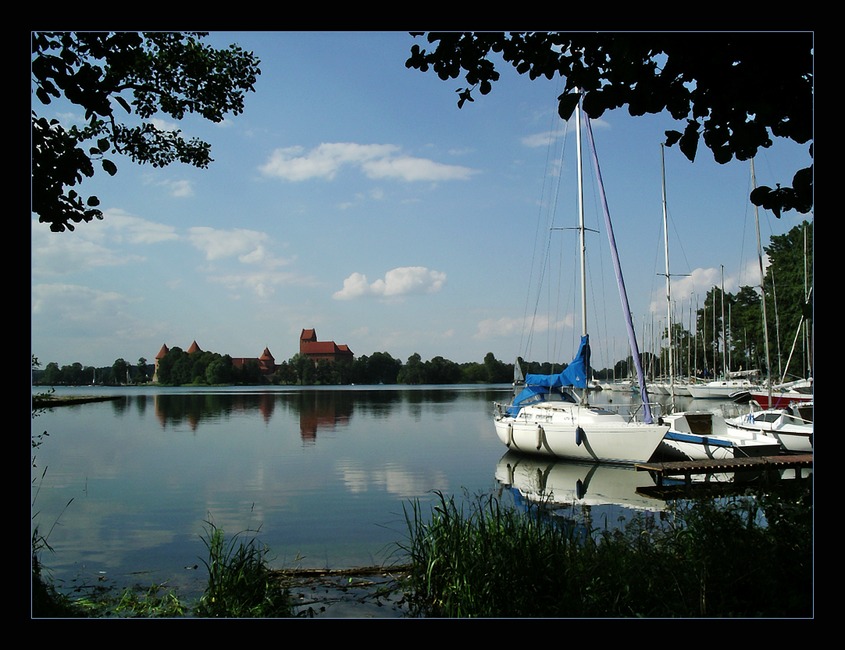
column 240, row 585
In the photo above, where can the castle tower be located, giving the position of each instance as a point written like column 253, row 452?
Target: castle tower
column 161, row 353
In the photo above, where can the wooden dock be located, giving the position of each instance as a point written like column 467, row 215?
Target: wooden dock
column 688, row 468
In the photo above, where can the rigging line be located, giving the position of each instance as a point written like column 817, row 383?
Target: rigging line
column 527, row 339
column 595, row 279
column 647, row 416
column 547, row 251
column 555, row 339
column 575, row 275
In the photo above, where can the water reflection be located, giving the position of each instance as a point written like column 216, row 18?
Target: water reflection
column 316, row 409
column 324, row 474
column 326, row 410
column 174, row 411
column 542, row 480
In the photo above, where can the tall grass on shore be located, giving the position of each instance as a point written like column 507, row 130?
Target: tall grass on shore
column 240, row 583
column 746, row 556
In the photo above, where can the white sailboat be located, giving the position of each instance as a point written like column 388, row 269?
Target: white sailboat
column 722, row 388
column 549, row 417
column 792, row 427
column 698, row 435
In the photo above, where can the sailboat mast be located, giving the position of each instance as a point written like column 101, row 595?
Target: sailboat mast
column 724, row 331
column 582, row 239
column 695, row 334
column 581, row 233
column 715, row 341
column 668, row 281
column 808, row 292
column 762, row 288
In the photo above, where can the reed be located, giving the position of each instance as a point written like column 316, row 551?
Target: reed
column 240, row 582
column 747, row 556
column 240, row 585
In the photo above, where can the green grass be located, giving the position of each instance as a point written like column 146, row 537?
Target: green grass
column 745, row 556
column 748, row 556
column 240, row 585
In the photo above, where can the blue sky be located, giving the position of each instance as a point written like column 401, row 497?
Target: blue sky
column 352, row 196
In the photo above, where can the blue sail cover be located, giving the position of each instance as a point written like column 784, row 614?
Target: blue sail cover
column 575, row 374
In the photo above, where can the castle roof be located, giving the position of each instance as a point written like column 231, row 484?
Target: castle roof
column 310, row 346
column 319, row 347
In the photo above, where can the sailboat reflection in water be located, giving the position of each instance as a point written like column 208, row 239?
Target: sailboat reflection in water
column 545, row 480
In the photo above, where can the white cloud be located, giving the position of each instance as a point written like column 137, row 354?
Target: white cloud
column 398, row 282
column 406, row 168
column 180, row 189
column 541, row 139
column 262, row 284
column 250, row 248
column 124, row 228
column 218, row 244
column 375, row 160
column 353, row 287
column 100, row 243
column 507, row 327
column 693, row 288
column 163, row 124
column 75, row 305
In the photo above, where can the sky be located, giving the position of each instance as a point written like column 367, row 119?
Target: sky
column 352, row 196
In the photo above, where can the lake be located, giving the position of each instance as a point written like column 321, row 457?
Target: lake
column 123, row 489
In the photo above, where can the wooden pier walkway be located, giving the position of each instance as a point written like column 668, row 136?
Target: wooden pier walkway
column 688, row 468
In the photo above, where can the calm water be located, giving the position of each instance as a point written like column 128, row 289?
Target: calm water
column 322, row 475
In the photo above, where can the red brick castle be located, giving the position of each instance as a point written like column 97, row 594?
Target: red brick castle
column 309, row 346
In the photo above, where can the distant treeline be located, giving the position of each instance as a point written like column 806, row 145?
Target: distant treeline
column 178, row 368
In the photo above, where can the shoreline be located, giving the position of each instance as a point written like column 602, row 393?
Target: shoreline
column 41, row 401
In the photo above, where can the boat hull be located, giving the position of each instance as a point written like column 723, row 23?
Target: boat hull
column 577, row 432
column 778, row 400
column 719, row 389
column 701, row 435
column 680, row 446
column 793, row 438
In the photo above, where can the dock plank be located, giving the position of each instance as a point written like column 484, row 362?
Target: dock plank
column 687, row 468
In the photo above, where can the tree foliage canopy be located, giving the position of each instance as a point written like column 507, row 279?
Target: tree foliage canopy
column 788, row 286
column 734, row 91
column 111, row 74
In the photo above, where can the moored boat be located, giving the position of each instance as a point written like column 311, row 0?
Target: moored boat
column 782, row 395
column 721, row 388
column 791, row 426
column 698, row 435
column 548, row 417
